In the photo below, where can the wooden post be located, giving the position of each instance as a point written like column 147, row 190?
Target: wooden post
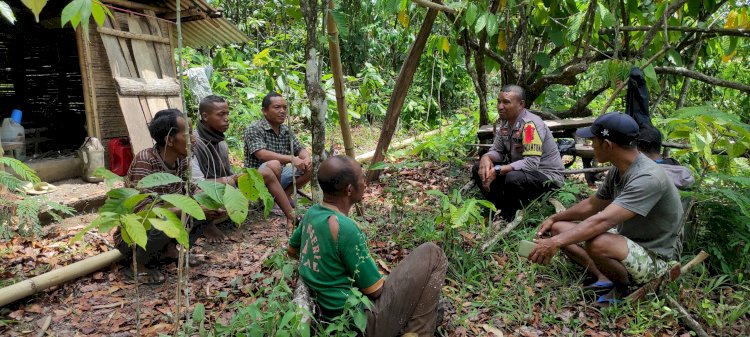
column 403, row 82
column 338, row 79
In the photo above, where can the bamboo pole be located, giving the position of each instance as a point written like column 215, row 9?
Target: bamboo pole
column 334, row 53
column 58, row 276
column 133, row 36
column 365, row 157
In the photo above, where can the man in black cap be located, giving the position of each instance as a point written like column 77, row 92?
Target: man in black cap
column 630, row 227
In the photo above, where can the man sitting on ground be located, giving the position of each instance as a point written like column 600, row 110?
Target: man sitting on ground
column 167, row 128
column 276, row 153
column 211, row 152
column 630, row 227
column 649, row 143
column 334, row 258
column 524, row 162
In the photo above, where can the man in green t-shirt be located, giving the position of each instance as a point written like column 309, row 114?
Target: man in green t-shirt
column 334, row 257
column 630, row 228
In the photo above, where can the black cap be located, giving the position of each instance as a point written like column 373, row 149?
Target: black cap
column 614, row 126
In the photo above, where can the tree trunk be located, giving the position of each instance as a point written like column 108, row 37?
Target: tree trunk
column 315, row 93
column 338, row 79
column 400, row 89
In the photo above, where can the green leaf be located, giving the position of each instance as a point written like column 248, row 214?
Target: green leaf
column 35, row 6
column 607, row 19
column 339, row 18
column 481, row 23
column 158, row 179
column 674, row 57
column 98, row 12
column 10, row 181
column 21, row 169
column 116, row 199
column 109, row 177
column 557, row 37
column 132, row 225
column 171, row 225
column 471, row 14
column 492, row 25
column 185, row 204
column 542, row 59
column 7, row 12
column 70, row 10
column 133, row 201
column 360, row 320
column 204, row 200
column 213, row 189
column 199, row 313
column 236, row 204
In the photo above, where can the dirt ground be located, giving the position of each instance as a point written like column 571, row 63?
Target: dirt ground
column 102, row 304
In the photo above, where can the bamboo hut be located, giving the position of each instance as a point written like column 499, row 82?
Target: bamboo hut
column 106, row 82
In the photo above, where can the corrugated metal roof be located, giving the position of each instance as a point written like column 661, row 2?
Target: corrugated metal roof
column 208, row 32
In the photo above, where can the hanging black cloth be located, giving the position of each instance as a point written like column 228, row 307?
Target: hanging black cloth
column 636, row 104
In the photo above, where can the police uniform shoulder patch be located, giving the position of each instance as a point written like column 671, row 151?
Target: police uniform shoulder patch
column 532, row 143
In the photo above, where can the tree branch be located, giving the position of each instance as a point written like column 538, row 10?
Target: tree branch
column 655, row 28
column 711, row 31
column 703, row 78
column 430, row 4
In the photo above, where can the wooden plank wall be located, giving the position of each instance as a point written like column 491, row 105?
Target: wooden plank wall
column 111, row 119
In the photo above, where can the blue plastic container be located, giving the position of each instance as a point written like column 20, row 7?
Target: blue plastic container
column 16, row 116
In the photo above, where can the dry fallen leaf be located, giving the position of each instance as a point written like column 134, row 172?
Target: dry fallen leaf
column 492, row 330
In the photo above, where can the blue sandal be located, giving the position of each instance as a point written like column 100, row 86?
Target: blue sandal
column 612, row 297
column 600, row 285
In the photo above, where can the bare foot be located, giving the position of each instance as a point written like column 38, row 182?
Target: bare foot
column 213, row 234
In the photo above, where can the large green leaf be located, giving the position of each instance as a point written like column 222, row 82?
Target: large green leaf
column 542, row 59
column 339, row 18
column 492, row 25
column 471, row 14
column 557, row 37
column 131, row 224
column 185, row 204
column 7, row 12
column 70, row 11
column 158, row 179
column 110, row 178
column 481, row 23
column 236, row 204
column 204, row 200
column 116, row 199
column 171, row 225
column 213, row 189
column 35, row 6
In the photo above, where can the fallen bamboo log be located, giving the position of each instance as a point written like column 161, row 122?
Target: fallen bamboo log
column 674, row 273
column 509, row 227
column 58, row 276
column 366, row 157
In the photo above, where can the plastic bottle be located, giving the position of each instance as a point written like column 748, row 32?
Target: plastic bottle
column 11, row 134
column 92, row 158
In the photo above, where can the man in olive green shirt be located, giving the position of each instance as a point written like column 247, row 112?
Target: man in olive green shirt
column 333, row 251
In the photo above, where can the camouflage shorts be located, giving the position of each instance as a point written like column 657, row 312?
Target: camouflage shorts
column 642, row 265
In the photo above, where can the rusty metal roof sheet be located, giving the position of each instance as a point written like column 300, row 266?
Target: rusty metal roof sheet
column 208, row 32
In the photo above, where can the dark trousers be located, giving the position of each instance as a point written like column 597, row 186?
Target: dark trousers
column 512, row 191
column 156, row 245
column 410, row 295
